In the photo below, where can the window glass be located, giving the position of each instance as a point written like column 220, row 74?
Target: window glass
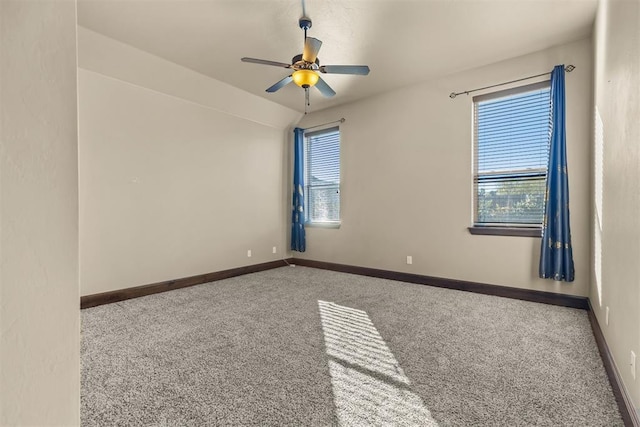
column 322, row 176
column 511, row 153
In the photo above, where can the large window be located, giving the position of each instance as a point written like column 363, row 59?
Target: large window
column 322, row 176
column 511, row 136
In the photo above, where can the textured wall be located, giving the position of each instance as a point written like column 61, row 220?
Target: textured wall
column 39, row 341
column 616, row 207
column 174, row 181
column 407, row 180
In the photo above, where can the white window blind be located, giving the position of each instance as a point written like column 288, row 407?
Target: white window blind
column 322, row 176
column 511, row 155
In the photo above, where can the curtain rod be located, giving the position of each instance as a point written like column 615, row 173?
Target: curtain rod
column 342, row 120
column 568, row 69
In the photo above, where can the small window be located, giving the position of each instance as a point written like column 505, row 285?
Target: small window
column 322, row 176
column 511, row 137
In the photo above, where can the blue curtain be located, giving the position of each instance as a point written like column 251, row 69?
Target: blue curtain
column 298, row 239
column 556, row 254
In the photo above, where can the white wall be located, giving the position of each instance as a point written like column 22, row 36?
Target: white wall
column 179, row 174
column 39, row 299
column 407, row 180
column 616, row 208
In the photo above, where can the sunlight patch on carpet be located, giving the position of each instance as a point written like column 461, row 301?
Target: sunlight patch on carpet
column 369, row 386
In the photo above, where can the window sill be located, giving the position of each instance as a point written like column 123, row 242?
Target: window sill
column 322, row 224
column 506, row 231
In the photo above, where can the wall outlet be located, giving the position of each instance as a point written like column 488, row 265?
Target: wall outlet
column 409, row 259
column 249, row 253
column 606, row 316
column 274, row 250
column 633, row 365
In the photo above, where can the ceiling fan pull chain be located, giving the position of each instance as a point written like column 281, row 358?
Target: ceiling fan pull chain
column 306, row 99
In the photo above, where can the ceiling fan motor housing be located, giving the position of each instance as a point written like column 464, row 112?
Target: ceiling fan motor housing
column 300, row 64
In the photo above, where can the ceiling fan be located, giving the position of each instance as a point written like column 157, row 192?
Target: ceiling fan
column 306, row 66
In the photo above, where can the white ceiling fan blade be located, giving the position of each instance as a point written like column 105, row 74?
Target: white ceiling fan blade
column 265, row 62
column 311, row 49
column 280, row 84
column 361, row 70
column 324, row 88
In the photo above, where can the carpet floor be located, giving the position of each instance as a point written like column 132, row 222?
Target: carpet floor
column 309, row 347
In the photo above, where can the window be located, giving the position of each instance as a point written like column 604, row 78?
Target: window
column 322, row 176
column 511, row 137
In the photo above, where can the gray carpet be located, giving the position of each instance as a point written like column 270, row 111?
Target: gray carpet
column 307, row 347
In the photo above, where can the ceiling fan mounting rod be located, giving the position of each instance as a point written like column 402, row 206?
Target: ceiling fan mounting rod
column 305, row 24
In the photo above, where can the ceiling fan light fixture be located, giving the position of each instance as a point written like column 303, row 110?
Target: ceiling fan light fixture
column 305, row 78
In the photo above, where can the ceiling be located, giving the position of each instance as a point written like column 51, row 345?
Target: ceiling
column 403, row 42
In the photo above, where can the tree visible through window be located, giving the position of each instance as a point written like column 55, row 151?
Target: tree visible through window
column 511, row 155
column 322, row 176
